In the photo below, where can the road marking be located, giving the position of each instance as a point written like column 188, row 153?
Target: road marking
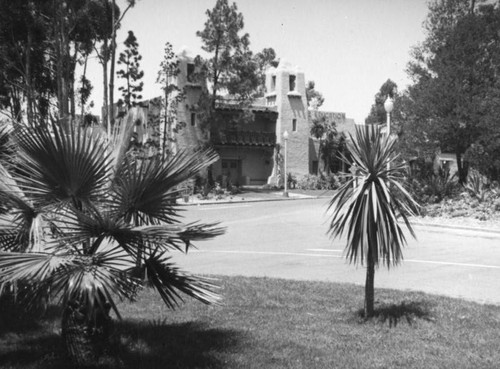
column 203, row 208
column 451, row 263
column 323, row 250
column 341, row 256
column 266, row 253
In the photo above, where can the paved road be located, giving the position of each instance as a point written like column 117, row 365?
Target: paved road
column 287, row 239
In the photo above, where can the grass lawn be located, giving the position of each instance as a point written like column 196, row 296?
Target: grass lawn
column 270, row 323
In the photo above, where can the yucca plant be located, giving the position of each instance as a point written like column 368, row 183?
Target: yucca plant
column 83, row 216
column 367, row 207
column 477, row 185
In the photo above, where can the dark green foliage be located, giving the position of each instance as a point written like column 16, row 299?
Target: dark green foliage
column 36, row 66
column 454, row 99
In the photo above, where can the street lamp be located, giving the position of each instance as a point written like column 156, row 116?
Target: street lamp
column 388, row 106
column 285, row 193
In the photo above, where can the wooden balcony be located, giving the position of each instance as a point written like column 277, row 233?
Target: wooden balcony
column 243, row 138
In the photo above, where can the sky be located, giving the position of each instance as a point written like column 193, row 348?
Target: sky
column 348, row 47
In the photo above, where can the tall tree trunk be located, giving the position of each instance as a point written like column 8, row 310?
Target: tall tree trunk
column 166, row 123
column 216, row 77
column 369, row 285
column 62, row 58
column 82, row 102
column 115, row 24
column 71, row 82
column 104, row 61
column 111, row 113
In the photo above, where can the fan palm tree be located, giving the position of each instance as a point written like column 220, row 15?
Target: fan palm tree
column 83, row 214
column 367, row 207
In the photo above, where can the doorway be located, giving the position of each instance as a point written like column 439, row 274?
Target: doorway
column 230, row 171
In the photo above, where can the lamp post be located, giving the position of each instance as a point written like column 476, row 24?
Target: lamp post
column 285, row 193
column 388, row 106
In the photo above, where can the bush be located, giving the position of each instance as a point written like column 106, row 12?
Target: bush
column 434, row 188
column 478, row 186
column 321, row 182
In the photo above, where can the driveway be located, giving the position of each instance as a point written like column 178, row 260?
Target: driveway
column 287, row 239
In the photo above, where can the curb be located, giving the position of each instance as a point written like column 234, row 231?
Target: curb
column 225, row 202
column 450, row 226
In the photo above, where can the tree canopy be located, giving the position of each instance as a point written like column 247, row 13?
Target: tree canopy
column 454, row 98
column 41, row 43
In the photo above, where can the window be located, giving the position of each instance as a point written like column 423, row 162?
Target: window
column 273, row 83
column 193, row 119
column 292, row 83
column 190, row 72
column 294, row 125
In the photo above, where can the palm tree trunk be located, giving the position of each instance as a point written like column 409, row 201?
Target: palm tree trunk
column 84, row 340
column 369, row 285
column 77, row 337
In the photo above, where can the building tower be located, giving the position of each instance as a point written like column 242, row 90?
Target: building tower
column 286, row 89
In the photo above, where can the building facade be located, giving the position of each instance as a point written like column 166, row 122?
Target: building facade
column 252, row 150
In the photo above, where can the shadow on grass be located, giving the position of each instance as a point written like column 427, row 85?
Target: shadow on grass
column 42, row 351
column 162, row 345
column 394, row 313
column 15, row 319
column 133, row 345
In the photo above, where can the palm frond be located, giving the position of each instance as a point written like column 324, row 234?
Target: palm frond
column 30, row 266
column 22, row 226
column 170, row 280
column 93, row 283
column 168, row 236
column 6, row 146
column 77, row 228
column 145, row 192
column 59, row 165
column 368, row 205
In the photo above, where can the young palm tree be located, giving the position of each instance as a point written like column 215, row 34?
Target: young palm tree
column 83, row 215
column 369, row 204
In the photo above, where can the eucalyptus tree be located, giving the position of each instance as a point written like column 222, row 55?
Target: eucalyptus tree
column 84, row 217
column 368, row 205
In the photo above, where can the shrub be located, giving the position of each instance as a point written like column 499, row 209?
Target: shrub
column 478, row 186
column 434, row 188
column 321, row 182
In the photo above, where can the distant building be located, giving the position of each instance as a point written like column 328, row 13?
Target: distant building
column 252, row 153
